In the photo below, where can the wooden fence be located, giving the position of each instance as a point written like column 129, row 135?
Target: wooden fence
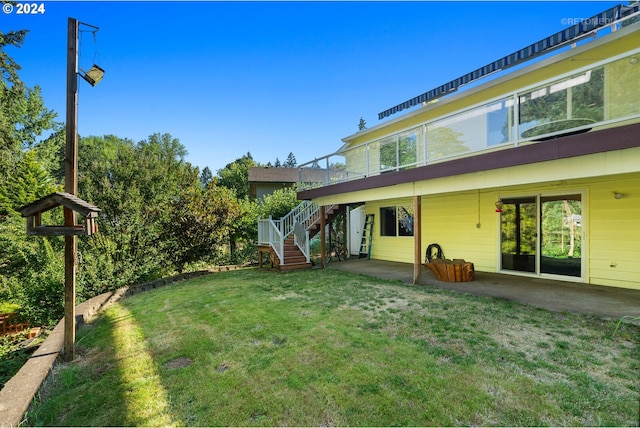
column 9, row 325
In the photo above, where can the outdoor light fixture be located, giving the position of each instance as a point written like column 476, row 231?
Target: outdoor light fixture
column 618, row 195
column 499, row 205
column 93, row 76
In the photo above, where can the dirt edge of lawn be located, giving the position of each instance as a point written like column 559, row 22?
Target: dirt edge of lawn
column 20, row 391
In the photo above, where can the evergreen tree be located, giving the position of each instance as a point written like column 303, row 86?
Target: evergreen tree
column 23, row 116
column 291, row 161
column 206, row 176
column 32, row 274
column 362, row 125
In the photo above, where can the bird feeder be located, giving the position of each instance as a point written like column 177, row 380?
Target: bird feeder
column 33, row 213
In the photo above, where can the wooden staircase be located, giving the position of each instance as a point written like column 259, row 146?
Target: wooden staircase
column 293, row 257
column 329, row 214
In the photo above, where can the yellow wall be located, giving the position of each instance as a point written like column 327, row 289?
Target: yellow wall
column 466, row 226
column 396, row 249
column 357, row 160
column 614, row 233
column 452, row 222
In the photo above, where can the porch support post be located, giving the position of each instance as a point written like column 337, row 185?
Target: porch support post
column 345, row 236
column 323, row 239
column 417, row 238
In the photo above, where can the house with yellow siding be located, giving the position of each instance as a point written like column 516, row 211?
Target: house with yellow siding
column 532, row 172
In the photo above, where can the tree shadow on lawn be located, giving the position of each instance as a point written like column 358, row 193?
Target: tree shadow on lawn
column 112, row 359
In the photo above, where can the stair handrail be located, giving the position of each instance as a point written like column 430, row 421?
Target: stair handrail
column 300, row 214
column 269, row 234
column 301, row 239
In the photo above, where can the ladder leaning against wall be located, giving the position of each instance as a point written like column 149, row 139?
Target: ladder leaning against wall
column 367, row 234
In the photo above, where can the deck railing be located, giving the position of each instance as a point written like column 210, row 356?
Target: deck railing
column 578, row 101
column 269, row 234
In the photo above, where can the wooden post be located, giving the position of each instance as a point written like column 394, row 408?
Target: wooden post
column 417, row 239
column 323, row 238
column 345, row 239
column 71, row 186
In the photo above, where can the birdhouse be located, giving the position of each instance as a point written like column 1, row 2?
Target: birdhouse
column 33, row 213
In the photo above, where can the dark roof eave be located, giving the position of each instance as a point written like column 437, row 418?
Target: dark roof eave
column 605, row 140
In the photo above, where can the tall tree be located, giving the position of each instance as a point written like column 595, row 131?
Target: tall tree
column 31, row 272
column 206, row 176
column 235, row 175
column 134, row 184
column 23, row 116
column 291, row 161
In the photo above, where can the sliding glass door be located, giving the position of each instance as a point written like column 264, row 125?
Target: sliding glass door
column 519, row 233
column 542, row 235
column 561, row 243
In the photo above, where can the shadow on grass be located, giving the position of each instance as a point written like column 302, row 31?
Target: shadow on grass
column 112, row 382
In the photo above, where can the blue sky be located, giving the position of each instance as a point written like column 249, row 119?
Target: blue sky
column 269, row 78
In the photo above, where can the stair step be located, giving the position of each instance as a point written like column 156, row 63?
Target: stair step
column 294, row 266
column 296, row 259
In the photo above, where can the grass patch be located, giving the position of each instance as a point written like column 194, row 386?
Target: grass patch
column 322, row 347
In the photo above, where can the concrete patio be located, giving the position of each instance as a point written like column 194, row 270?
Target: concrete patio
column 559, row 296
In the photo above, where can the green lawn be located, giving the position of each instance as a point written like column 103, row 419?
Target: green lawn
column 328, row 348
